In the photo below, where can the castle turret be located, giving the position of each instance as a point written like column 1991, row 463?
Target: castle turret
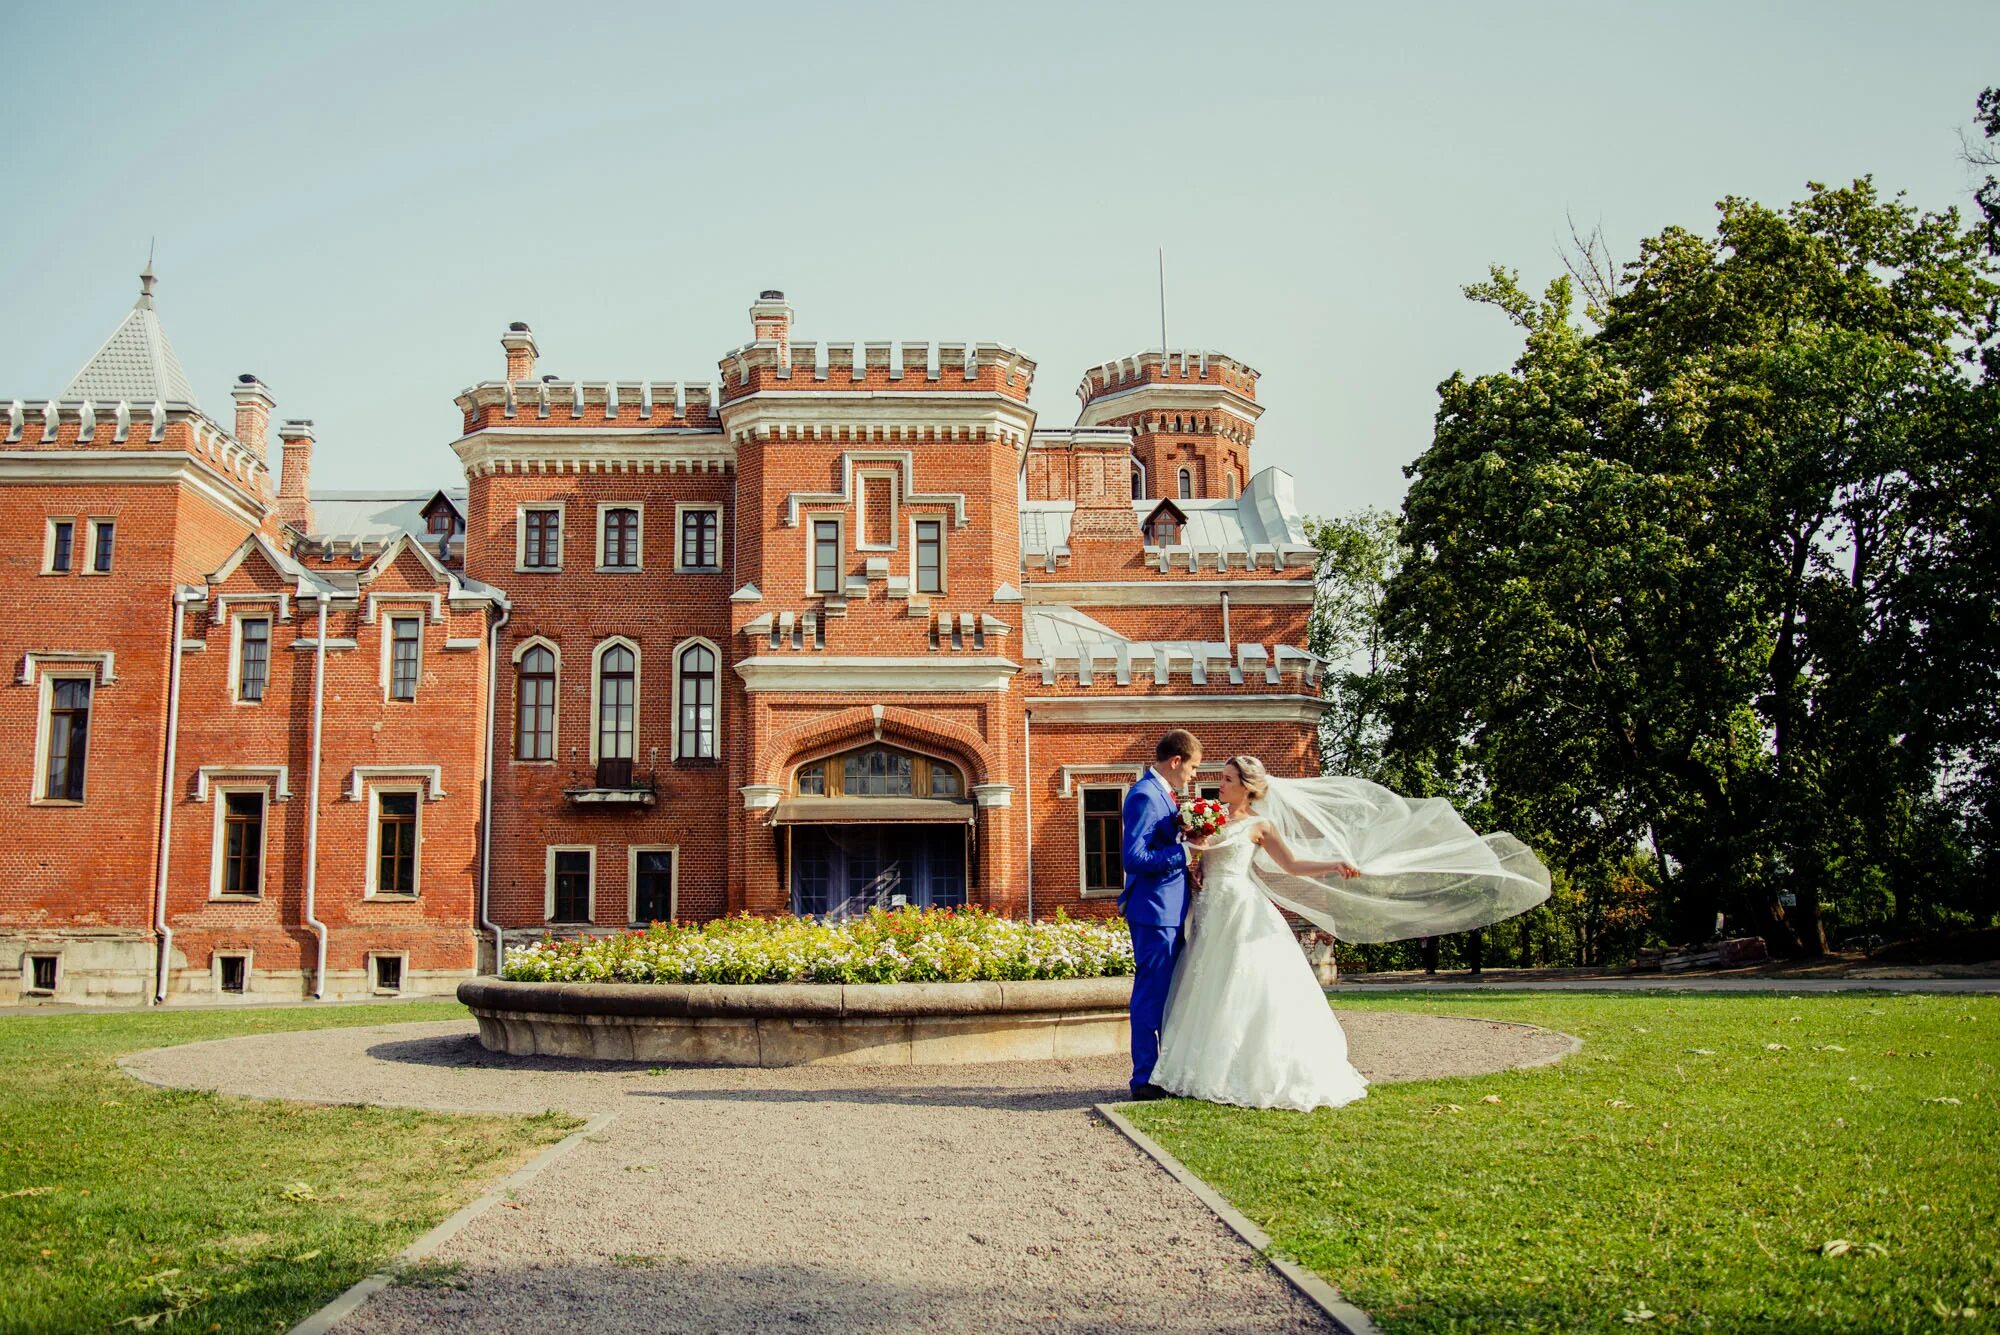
column 1192, row 415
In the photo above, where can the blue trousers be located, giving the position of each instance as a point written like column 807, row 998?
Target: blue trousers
column 1155, row 950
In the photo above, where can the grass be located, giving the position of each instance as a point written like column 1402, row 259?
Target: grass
column 1760, row 1162
column 124, row 1206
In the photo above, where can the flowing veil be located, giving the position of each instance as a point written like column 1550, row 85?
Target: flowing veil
column 1425, row 872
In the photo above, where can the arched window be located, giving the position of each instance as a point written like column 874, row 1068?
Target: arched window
column 1187, row 485
column 1138, row 481
column 617, row 703
column 535, row 697
column 1229, row 483
column 881, row 771
column 694, row 732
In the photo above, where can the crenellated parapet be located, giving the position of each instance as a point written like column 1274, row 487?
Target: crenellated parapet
column 1143, row 664
column 795, row 366
column 126, row 426
column 1185, row 368
column 558, row 404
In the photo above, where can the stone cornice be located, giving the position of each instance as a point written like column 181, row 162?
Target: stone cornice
column 1173, row 592
column 865, row 675
column 132, row 467
column 610, row 449
column 1176, row 708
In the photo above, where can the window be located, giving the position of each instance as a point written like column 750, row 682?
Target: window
column 388, row 972
column 42, row 973
column 812, row 781
column 62, row 546
column 442, row 521
column 826, row 556
column 695, row 734
column 405, row 655
column 69, row 736
column 1103, row 871
column 652, row 885
column 395, row 843
column 1138, row 480
column 944, row 782
column 231, row 973
column 1187, row 484
column 242, row 844
column 101, row 533
column 541, row 538
column 618, row 547
column 930, row 556
column 879, row 773
column 535, row 695
column 617, row 693
column 1229, row 484
column 569, row 884
column 253, row 657
column 1165, row 532
column 701, row 542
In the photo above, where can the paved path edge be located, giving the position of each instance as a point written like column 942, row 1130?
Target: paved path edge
column 1345, row 1316
column 327, row 1317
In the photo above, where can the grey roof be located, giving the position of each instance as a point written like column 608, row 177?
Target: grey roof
column 376, row 516
column 136, row 364
column 1264, row 515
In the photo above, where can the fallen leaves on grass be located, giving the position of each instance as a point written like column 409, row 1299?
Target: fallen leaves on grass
column 1944, row 1098
column 299, row 1191
column 1843, row 1247
column 1491, row 1098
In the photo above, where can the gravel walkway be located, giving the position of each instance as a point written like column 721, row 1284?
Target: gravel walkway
column 971, row 1198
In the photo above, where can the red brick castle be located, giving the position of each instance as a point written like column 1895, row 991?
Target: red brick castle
column 846, row 629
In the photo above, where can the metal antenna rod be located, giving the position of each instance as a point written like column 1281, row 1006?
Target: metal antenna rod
column 1163, row 301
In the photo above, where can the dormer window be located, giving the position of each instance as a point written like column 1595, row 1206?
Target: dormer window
column 442, row 522
column 1163, row 528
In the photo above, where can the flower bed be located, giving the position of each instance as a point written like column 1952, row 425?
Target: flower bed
column 886, row 946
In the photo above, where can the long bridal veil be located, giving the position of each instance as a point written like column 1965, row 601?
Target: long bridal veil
column 1425, row 872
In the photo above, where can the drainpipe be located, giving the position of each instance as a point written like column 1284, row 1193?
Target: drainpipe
column 1225, row 620
column 486, row 923
column 312, row 807
column 166, row 933
column 1028, row 792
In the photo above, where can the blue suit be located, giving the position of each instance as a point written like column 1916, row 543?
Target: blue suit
column 1155, row 904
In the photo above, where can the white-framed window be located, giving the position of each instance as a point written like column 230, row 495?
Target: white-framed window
column 826, row 555
column 538, row 536
column 1186, row 481
column 875, row 506
column 242, row 823
column 1229, row 486
column 1100, row 869
column 41, row 972
column 59, row 550
column 614, row 700
column 1138, row 480
column 229, row 972
column 103, row 537
column 927, row 554
column 403, row 648
column 571, row 882
column 249, row 658
column 537, row 700
column 62, row 737
column 652, row 878
column 697, row 703
column 395, row 841
column 621, row 527
column 700, row 546
column 388, row 972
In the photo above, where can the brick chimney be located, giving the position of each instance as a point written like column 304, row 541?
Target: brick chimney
column 771, row 318
column 295, row 479
column 253, row 412
column 521, row 352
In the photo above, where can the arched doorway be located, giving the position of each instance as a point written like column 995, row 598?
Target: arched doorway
column 877, row 826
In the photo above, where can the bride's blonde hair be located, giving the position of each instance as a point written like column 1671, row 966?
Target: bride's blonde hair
column 1256, row 779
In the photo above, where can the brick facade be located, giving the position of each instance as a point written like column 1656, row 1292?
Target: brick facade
column 718, row 634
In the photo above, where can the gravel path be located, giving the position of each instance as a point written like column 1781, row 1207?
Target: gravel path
column 970, row 1198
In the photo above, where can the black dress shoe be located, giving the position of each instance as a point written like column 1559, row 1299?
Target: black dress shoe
column 1146, row 1093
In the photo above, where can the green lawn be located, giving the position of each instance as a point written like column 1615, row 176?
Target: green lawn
column 1733, row 1163
column 123, row 1206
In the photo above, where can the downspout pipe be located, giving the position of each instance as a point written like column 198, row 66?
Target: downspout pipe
column 160, row 928
column 1028, row 786
column 312, row 801
column 486, row 923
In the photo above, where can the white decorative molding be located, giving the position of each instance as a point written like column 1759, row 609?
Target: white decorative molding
column 1173, row 592
column 432, row 600
column 993, row 794
column 463, row 642
column 33, row 661
column 137, row 468
column 432, row 775
column 280, row 776
column 749, row 593
column 850, row 460
column 1183, row 709
column 760, row 796
column 857, row 674
column 1125, row 773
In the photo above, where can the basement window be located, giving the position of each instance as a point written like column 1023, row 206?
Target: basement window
column 232, row 971
column 388, row 973
column 42, row 973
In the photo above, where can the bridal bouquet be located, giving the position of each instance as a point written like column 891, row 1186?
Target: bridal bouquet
column 1201, row 817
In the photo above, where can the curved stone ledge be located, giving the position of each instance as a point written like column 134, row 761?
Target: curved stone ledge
column 792, row 1024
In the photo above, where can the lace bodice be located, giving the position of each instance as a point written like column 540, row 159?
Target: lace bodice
column 1225, row 860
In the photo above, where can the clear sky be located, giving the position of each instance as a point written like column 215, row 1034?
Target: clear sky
column 353, row 200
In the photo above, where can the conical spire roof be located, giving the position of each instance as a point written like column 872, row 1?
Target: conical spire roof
column 136, row 363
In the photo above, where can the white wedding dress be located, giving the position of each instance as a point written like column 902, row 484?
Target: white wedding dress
column 1246, row 1020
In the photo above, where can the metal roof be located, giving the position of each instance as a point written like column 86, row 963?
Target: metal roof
column 136, row 364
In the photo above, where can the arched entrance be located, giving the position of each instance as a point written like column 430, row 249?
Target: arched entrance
column 876, row 826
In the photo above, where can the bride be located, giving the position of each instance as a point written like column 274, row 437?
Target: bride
column 1246, row 1020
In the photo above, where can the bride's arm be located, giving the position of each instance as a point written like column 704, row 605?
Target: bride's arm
column 1273, row 844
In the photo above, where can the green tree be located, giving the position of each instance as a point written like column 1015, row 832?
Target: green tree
column 1358, row 554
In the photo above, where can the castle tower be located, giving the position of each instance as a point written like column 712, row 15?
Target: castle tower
column 1192, row 415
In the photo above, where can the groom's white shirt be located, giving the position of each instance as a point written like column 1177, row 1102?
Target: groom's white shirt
column 1161, row 779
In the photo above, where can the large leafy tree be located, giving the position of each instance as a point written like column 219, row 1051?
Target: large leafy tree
column 1677, row 581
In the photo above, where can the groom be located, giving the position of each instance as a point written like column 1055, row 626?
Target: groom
column 1155, row 900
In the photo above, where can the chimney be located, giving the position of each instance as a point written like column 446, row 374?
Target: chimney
column 521, row 351
column 295, row 477
column 253, row 412
column 771, row 318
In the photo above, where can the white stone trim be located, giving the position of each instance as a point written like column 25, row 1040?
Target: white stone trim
column 44, row 704
column 604, row 508
column 235, row 670
column 894, row 477
column 1174, row 593
column 993, row 794
column 219, row 842
column 555, row 716
column 34, row 661
column 104, row 468
column 944, row 556
column 577, row 449
column 1129, row 774
column 839, row 520
column 402, row 987
column 761, row 796
column 1301, row 709
column 205, row 776
column 433, row 601
column 1084, row 890
column 856, row 674
column 681, row 511
column 590, row 893
column 595, row 722
column 432, row 775
column 215, row 957
column 388, row 637
column 715, row 675
column 371, row 873
column 846, row 497
column 49, row 544
column 632, row 852
column 521, row 536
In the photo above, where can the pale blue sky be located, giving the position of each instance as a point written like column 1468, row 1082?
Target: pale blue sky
column 353, row 200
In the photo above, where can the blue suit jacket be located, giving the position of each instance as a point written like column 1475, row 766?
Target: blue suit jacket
column 1156, row 889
